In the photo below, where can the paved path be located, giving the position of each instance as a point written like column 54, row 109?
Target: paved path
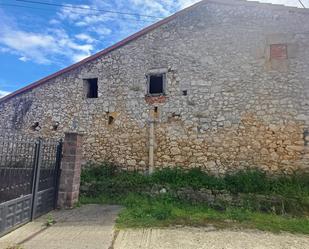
column 91, row 227
column 198, row 238
column 87, row 227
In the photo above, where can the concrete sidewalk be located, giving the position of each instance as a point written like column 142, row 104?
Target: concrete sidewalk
column 202, row 238
column 90, row 226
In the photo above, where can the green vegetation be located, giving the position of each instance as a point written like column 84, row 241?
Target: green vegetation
column 50, row 221
column 107, row 179
column 106, row 185
column 162, row 211
column 15, row 247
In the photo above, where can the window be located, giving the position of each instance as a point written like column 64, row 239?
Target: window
column 278, row 52
column 91, row 88
column 156, row 84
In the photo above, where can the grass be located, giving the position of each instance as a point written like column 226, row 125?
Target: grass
column 106, row 179
column 143, row 211
column 105, row 184
column 15, row 247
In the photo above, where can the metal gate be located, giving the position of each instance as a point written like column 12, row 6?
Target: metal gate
column 29, row 174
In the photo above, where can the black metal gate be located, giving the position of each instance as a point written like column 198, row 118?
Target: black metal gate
column 29, row 174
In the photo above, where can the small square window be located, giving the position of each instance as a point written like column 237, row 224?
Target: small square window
column 91, row 88
column 156, row 84
column 278, row 52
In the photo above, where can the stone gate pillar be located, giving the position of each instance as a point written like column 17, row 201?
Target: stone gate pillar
column 70, row 171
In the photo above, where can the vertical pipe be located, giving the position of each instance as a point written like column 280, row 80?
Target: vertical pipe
column 306, row 150
column 151, row 146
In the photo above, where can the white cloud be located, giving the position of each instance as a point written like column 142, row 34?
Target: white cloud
column 54, row 22
column 23, row 58
column 186, row 3
column 79, row 57
column 156, row 8
column 102, row 31
column 85, row 37
column 84, row 16
column 40, row 47
column 3, row 93
column 27, row 44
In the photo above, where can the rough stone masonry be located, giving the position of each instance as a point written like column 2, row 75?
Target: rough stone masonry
column 233, row 93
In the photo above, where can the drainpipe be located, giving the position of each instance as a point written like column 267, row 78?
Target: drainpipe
column 306, row 150
column 151, row 146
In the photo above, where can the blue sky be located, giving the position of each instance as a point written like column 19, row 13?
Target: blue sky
column 37, row 40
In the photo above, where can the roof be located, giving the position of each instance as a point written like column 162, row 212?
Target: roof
column 134, row 37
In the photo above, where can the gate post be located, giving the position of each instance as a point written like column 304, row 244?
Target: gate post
column 70, row 171
column 36, row 177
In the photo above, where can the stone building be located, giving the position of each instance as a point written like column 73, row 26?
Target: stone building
column 222, row 85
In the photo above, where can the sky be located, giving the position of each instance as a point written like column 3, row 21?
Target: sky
column 37, row 40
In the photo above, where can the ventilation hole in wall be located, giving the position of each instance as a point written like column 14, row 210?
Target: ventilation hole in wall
column 36, row 126
column 111, row 120
column 55, row 126
column 184, row 92
column 176, row 115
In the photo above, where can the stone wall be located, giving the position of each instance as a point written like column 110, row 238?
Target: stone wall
column 246, row 104
column 223, row 199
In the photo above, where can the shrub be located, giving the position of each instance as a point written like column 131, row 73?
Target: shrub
column 107, row 179
column 252, row 181
column 293, row 186
column 194, row 178
column 93, row 173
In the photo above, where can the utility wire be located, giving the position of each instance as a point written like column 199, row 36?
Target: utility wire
column 86, row 8
column 36, row 8
column 300, row 1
